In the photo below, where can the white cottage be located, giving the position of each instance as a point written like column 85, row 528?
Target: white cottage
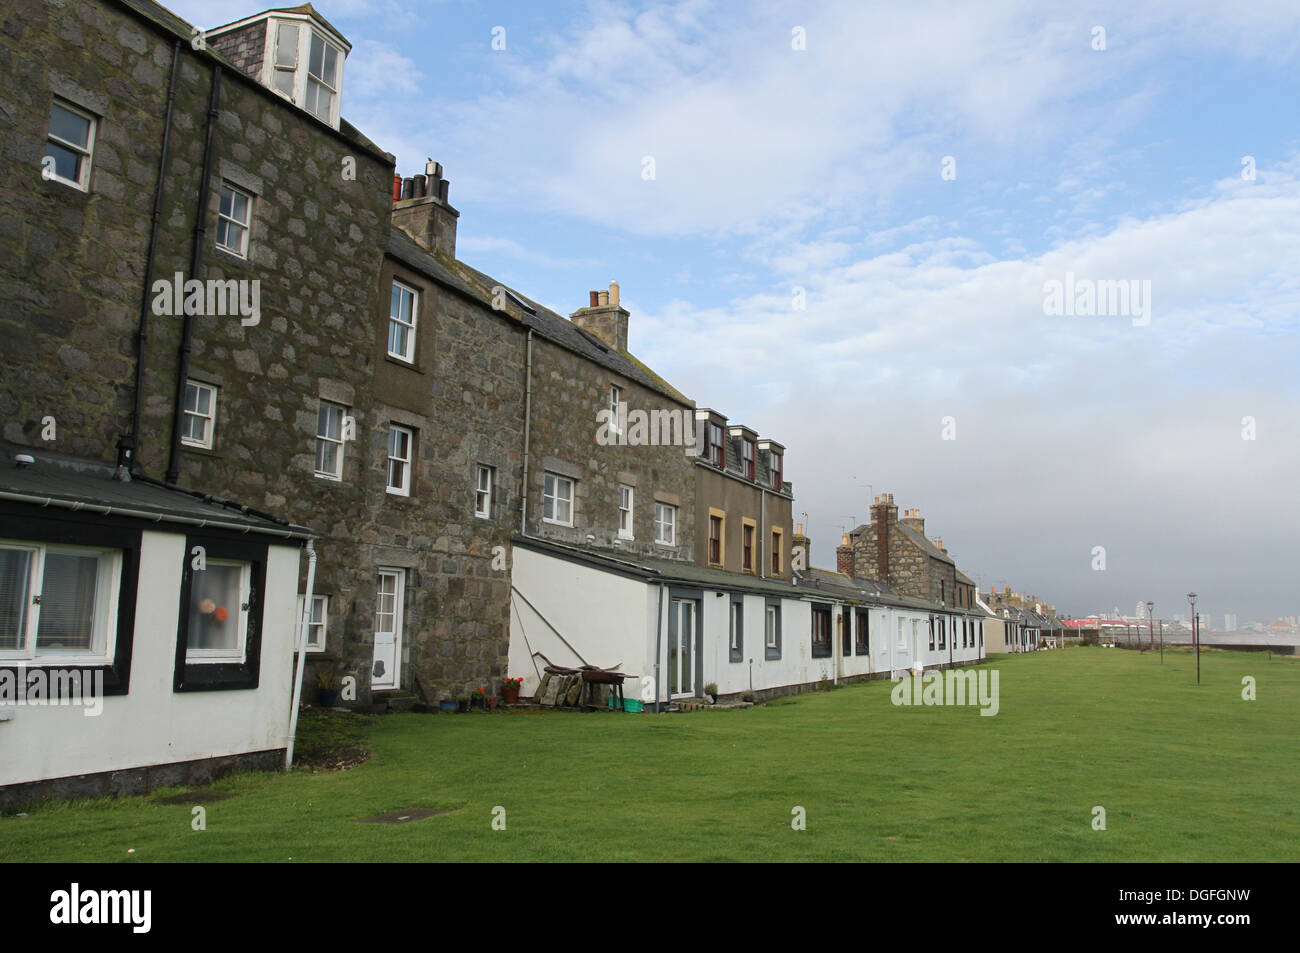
column 146, row 633
column 675, row 627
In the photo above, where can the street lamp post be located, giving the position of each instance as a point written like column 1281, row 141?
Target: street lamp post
column 1151, row 634
column 1196, row 635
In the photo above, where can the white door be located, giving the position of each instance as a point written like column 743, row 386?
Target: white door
column 385, row 673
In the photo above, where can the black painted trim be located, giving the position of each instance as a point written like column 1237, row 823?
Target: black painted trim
column 222, row 676
column 81, row 529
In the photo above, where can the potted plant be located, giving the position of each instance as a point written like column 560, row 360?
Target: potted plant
column 479, row 698
column 447, row 705
column 711, row 690
column 462, row 703
column 492, row 702
column 510, row 690
column 328, row 684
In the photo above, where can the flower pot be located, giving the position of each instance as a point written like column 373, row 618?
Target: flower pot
column 448, row 705
column 462, row 705
column 327, row 697
column 511, row 695
column 492, row 703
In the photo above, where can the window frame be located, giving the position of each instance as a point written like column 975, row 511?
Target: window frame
column 771, row 629
column 247, row 226
column 207, row 673
column 748, row 551
column 670, row 510
column 862, row 632
column 615, row 398
column 717, row 448
column 630, row 511
column 485, row 510
column 823, row 613
column 778, row 541
column 211, row 429
column 323, row 624
column 89, row 530
column 554, row 479
column 327, row 44
column 87, row 152
column 748, row 459
column 776, row 475
column 736, row 628
column 340, row 443
column 103, row 635
column 717, row 543
column 401, row 290
column 407, row 462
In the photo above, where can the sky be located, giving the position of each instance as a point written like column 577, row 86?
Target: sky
column 844, row 225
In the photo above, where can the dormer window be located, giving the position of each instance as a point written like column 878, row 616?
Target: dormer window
column 301, row 57
column 747, row 457
column 322, row 77
column 774, row 468
column 716, row 455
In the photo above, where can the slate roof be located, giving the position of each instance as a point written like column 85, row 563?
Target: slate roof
column 170, row 23
column 68, row 483
column 868, row 590
column 527, row 313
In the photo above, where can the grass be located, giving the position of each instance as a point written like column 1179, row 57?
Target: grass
column 1185, row 773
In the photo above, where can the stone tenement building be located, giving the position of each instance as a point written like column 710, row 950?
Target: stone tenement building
column 743, row 502
column 897, row 552
column 1006, row 599
column 413, row 411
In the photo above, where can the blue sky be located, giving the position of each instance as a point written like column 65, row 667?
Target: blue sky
column 820, row 168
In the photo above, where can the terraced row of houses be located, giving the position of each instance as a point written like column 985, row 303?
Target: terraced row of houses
column 256, row 409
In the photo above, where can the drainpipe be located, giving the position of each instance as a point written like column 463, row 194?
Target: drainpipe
column 142, row 335
column 196, row 260
column 659, row 629
column 302, row 651
column 763, row 530
column 528, row 417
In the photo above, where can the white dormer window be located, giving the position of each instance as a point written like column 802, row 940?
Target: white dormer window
column 304, row 64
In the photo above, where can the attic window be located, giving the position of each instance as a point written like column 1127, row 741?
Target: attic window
column 305, row 67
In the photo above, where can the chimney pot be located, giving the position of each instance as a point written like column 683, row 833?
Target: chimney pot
column 798, row 529
column 604, row 298
column 408, row 188
column 443, row 186
column 613, row 293
column 420, row 185
column 595, row 299
column 397, row 187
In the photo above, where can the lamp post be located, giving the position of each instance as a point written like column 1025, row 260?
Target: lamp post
column 1151, row 632
column 1196, row 635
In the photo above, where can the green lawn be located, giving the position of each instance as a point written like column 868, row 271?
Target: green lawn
column 1184, row 773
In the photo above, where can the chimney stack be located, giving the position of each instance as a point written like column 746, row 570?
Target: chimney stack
column 884, row 515
column 604, row 317
column 844, row 556
column 913, row 520
column 421, row 210
column 797, row 540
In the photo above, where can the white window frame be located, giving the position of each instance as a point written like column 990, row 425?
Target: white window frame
column 665, row 516
column 615, row 398
column 626, row 513
column 246, row 226
column 108, row 579
column 307, row 29
column 239, row 653
column 483, row 491
column 551, row 498
column 321, row 628
column 210, row 419
column 337, row 473
column 331, row 114
column 395, row 320
column 87, row 152
column 403, row 486
column 772, row 627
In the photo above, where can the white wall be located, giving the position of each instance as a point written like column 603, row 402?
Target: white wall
column 606, row 618
column 153, row 724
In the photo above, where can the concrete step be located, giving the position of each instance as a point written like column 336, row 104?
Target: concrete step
column 394, row 700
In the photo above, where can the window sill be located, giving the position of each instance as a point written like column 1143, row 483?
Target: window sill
column 402, row 363
column 233, row 257
column 68, row 184
column 556, row 523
